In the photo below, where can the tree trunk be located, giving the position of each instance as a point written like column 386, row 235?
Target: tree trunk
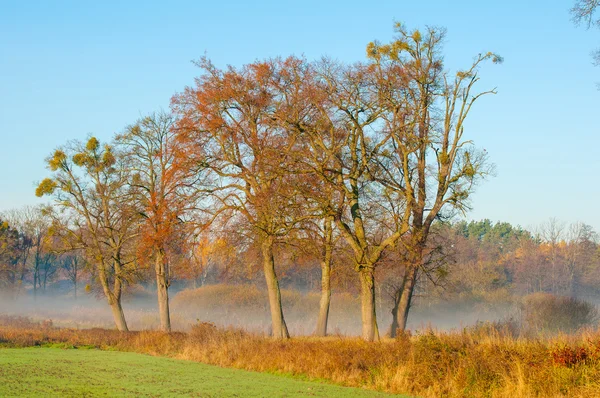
column 327, row 255
column 397, row 296
column 114, row 300
column 279, row 327
column 162, row 287
column 370, row 332
column 325, row 299
column 403, row 299
column 118, row 315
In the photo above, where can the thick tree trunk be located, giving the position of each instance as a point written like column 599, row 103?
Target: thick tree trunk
column 162, row 287
column 114, row 300
column 118, row 315
column 279, row 327
column 403, row 299
column 325, row 299
column 370, row 332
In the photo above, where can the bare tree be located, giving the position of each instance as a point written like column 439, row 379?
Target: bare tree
column 73, row 265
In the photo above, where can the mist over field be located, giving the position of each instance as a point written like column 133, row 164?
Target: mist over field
column 238, row 306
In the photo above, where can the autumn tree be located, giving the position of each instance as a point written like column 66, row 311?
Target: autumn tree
column 95, row 208
column 15, row 246
column 163, row 179
column 580, row 251
column 35, row 224
column 345, row 124
column 428, row 159
column 73, row 266
column 15, row 249
column 206, row 254
column 227, row 120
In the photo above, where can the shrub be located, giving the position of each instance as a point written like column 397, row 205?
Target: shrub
column 547, row 313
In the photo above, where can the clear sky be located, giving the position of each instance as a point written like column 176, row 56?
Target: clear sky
column 71, row 68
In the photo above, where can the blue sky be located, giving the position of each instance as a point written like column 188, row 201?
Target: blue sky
column 71, row 68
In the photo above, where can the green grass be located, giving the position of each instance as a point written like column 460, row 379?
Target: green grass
column 83, row 373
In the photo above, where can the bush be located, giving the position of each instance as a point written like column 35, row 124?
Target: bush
column 547, row 313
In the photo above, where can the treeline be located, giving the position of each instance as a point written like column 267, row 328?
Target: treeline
column 346, row 163
column 484, row 263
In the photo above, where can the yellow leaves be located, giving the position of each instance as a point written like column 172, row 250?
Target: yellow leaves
column 57, row 160
column 88, row 158
column 373, row 51
column 92, row 144
column 46, row 187
column 108, row 159
column 416, row 36
column 391, row 51
column 399, row 46
column 464, row 74
column 469, row 170
column 80, row 159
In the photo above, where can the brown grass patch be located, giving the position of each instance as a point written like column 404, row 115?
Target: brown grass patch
column 482, row 362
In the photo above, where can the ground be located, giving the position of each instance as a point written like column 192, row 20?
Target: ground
column 90, row 372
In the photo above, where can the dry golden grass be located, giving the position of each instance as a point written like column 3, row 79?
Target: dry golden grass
column 481, row 362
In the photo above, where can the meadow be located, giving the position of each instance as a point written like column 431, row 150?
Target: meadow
column 34, row 372
column 483, row 361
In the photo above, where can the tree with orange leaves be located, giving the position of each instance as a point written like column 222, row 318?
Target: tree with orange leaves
column 228, row 120
column 164, row 181
column 336, row 114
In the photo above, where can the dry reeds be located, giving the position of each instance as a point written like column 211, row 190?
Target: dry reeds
column 478, row 362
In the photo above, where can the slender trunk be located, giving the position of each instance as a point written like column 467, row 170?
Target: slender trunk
column 325, row 299
column 397, row 296
column 326, row 258
column 400, row 314
column 370, row 332
column 280, row 330
column 75, row 289
column 162, row 287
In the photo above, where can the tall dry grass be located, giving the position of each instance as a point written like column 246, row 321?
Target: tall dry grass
column 484, row 361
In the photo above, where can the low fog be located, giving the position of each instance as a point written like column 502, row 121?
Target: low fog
column 238, row 306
